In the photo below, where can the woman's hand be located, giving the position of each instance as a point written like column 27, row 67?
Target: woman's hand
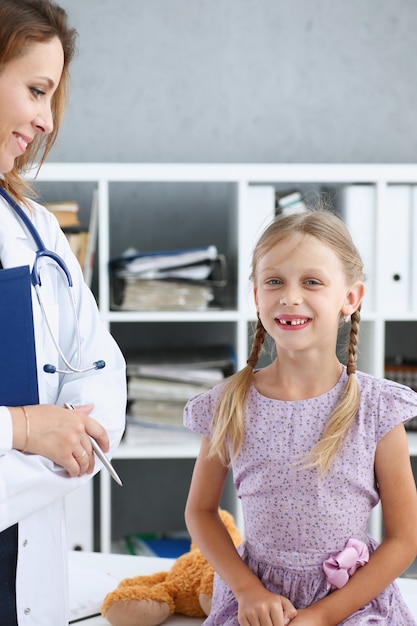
column 263, row 608
column 59, row 434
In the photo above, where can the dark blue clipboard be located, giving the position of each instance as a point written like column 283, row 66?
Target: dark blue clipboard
column 18, row 371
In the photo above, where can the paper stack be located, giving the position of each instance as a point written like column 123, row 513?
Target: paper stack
column 160, row 383
column 166, row 281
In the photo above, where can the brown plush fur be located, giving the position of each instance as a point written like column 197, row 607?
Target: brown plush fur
column 186, row 589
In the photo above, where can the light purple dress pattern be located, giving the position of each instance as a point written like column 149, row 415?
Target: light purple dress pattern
column 293, row 519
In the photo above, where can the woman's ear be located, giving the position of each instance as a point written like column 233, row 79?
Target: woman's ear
column 354, row 297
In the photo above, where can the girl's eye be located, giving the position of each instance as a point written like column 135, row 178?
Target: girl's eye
column 274, row 281
column 37, row 92
column 312, row 281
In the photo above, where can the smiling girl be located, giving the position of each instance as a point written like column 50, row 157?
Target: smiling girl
column 313, row 446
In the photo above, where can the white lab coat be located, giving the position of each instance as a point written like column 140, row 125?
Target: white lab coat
column 32, row 487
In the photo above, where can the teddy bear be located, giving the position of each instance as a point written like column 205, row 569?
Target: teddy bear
column 187, row 588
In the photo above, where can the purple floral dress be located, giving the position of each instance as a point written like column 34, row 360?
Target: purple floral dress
column 294, row 520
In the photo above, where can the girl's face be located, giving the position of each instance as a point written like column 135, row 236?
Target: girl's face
column 27, row 85
column 300, row 293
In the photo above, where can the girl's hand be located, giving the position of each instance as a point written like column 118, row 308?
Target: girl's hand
column 59, row 434
column 263, row 608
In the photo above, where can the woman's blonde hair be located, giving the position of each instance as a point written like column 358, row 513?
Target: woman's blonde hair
column 228, row 428
column 23, row 23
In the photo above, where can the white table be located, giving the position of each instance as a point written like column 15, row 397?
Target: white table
column 100, row 574
column 85, row 567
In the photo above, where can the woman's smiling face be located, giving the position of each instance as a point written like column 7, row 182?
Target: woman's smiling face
column 27, row 86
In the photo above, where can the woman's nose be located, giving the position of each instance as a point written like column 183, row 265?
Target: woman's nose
column 44, row 122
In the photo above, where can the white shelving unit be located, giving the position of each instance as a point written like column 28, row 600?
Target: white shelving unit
column 251, row 186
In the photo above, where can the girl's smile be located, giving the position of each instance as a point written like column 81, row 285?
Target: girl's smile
column 292, row 322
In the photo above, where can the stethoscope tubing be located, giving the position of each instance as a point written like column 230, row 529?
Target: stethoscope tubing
column 43, row 252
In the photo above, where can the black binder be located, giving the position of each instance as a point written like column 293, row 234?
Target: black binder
column 18, row 372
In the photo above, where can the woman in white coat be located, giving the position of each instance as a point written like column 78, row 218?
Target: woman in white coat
column 45, row 449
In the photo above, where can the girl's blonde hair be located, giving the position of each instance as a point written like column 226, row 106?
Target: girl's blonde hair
column 228, row 428
column 23, row 23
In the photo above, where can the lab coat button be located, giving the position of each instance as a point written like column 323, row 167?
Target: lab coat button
column 27, row 611
column 25, row 543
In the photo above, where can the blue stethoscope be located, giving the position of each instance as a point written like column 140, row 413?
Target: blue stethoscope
column 43, row 252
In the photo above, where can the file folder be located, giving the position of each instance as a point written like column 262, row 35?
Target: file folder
column 396, row 243
column 358, row 209
column 18, row 386
column 18, row 371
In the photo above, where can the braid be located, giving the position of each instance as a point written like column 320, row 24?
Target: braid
column 353, row 342
column 228, row 427
column 257, row 344
column 345, row 412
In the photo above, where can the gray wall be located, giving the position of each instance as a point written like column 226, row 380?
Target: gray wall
column 242, row 81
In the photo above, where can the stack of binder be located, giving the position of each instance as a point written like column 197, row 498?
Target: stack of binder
column 82, row 240
column 166, row 280
column 290, row 201
column 161, row 382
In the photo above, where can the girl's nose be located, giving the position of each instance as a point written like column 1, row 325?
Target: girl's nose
column 290, row 297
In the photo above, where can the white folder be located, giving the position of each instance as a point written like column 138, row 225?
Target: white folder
column 259, row 212
column 358, row 209
column 395, row 245
column 413, row 247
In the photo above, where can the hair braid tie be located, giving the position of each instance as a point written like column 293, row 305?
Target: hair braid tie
column 351, row 368
column 252, row 361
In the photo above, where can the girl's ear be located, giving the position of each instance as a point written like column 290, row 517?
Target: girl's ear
column 354, row 297
column 255, row 296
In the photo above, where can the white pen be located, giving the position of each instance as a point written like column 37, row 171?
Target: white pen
column 109, row 467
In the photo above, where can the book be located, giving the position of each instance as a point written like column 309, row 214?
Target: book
column 160, row 295
column 153, row 265
column 176, row 361
column 161, row 389
column 163, row 545
column 65, row 212
column 78, row 241
column 159, row 400
column 287, row 202
column 83, row 241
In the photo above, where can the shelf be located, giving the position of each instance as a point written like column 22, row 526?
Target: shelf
column 185, row 450
column 243, row 212
column 412, row 443
column 211, row 315
column 259, row 173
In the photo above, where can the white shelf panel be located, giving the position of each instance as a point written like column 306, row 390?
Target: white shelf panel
column 412, row 443
column 228, row 172
column 185, row 450
column 174, row 316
